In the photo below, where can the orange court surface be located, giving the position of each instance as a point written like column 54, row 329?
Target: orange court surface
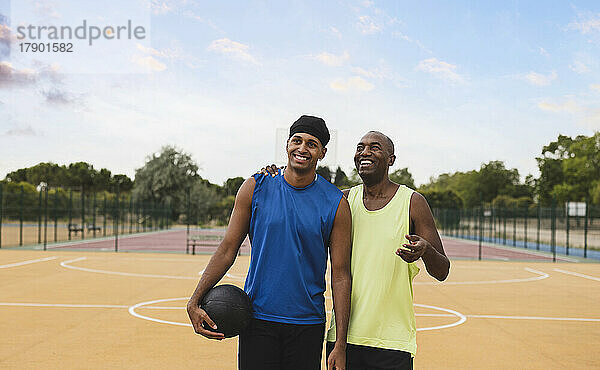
column 82, row 309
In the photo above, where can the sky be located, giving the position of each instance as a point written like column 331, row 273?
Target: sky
column 453, row 83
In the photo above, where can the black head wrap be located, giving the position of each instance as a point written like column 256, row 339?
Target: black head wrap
column 314, row 126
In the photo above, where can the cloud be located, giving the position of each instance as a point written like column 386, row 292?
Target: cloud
column 57, row 96
column 367, row 3
column 190, row 14
column 570, row 106
column 440, row 69
column 46, row 9
column 595, row 87
column 592, row 121
column 539, row 79
column 579, row 67
column 21, row 131
column 588, row 23
column 149, row 63
column 335, row 32
column 233, row 49
column 10, row 76
column 171, row 54
column 412, row 41
column 352, row 84
column 332, row 59
column 162, row 6
column 368, row 26
column 543, row 51
column 5, row 40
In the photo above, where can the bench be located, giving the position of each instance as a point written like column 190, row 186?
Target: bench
column 91, row 227
column 75, row 228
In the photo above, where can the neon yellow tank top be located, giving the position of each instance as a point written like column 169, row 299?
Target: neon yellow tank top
column 381, row 312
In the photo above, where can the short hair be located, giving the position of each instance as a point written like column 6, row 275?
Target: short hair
column 390, row 142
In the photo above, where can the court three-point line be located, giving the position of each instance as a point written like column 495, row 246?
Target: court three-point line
column 577, row 274
column 26, row 262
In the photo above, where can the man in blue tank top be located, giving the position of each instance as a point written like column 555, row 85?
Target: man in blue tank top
column 294, row 220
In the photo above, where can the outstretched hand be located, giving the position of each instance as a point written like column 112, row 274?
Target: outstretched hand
column 269, row 170
column 415, row 248
column 198, row 317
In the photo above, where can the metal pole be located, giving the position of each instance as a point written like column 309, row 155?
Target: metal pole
column 82, row 213
column 70, row 211
column 525, row 224
column 504, row 225
column 585, row 229
column 94, row 214
column 553, row 229
column 539, row 215
column 130, row 214
column 40, row 218
column 45, row 216
column 22, row 202
column 514, row 214
column 480, row 225
column 117, row 221
column 567, row 226
column 55, row 213
column 187, row 216
column 1, row 214
column 104, row 216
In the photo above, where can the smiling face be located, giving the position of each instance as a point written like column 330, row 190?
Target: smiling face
column 374, row 155
column 304, row 151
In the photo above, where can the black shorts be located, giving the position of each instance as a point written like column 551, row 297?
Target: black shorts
column 272, row 345
column 363, row 357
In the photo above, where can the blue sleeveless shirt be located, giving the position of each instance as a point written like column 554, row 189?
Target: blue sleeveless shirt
column 289, row 234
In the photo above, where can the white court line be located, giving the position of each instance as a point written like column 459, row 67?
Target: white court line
column 105, row 238
column 577, row 274
column 133, row 308
column 531, row 318
column 461, row 318
column 66, row 264
column 27, row 262
column 62, row 305
column 511, row 317
column 517, row 249
column 541, row 275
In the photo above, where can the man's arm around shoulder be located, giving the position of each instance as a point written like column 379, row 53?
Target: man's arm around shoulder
column 341, row 281
column 223, row 258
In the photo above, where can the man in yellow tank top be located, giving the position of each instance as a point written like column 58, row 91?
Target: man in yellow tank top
column 392, row 227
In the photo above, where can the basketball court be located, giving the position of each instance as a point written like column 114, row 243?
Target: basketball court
column 73, row 308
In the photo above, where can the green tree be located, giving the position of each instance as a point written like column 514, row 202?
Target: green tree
column 354, row 178
column 445, row 199
column 166, row 177
column 341, row 180
column 404, row 177
column 325, row 172
column 569, row 169
column 232, row 185
column 124, row 182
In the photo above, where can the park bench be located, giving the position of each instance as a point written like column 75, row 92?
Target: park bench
column 92, row 227
column 75, row 228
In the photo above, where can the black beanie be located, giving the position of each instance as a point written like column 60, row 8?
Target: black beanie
column 314, row 126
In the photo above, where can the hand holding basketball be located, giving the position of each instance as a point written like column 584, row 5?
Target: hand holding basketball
column 414, row 250
column 198, row 317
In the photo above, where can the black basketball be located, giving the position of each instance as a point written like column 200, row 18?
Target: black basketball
column 229, row 307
